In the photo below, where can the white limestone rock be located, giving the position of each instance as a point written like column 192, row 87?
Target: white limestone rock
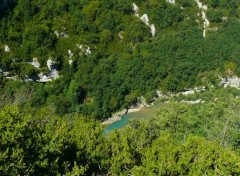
column 206, row 22
column 60, row 34
column 50, row 63
column 85, row 49
column 15, row 78
column 57, row 33
column 70, row 54
column 43, row 78
column 192, row 91
column 35, row 63
column 53, row 74
column 5, row 73
column 143, row 102
column 199, row 4
column 171, row 2
column 135, row 9
column 153, row 29
column 144, row 18
column 115, row 117
column 224, row 18
column 159, row 94
column 63, row 35
column 70, row 61
column 204, row 33
column 193, row 102
column 7, row 49
column 88, row 51
column 79, row 46
column 120, row 35
column 213, row 29
column 188, row 92
column 233, row 81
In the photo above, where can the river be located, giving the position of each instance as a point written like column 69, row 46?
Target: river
column 144, row 113
column 148, row 112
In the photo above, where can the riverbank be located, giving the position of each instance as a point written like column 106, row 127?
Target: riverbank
column 142, row 103
column 231, row 82
column 116, row 117
column 135, row 108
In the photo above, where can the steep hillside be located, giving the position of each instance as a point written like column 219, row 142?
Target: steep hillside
column 68, row 65
column 96, row 57
column 43, row 144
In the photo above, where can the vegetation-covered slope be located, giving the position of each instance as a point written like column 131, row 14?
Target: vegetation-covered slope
column 64, row 64
column 114, row 57
column 183, row 139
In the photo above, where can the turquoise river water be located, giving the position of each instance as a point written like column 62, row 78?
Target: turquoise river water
column 144, row 113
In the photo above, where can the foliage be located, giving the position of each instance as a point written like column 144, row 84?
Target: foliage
column 125, row 61
column 43, row 144
column 48, row 145
column 51, row 129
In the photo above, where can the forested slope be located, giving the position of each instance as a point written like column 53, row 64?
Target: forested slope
column 43, row 144
column 66, row 64
column 105, row 54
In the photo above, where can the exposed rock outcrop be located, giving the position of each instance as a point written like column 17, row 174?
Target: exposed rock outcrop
column 144, row 18
column 53, row 73
column 171, row 1
column 116, row 117
column 60, row 34
column 35, row 63
column 233, row 81
column 85, row 49
column 120, row 34
column 206, row 22
column 193, row 102
column 70, row 55
column 7, row 49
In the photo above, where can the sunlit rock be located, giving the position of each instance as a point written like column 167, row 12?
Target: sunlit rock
column 57, row 33
column 144, row 18
column 60, row 34
column 70, row 61
column 85, row 49
column 135, row 9
column 6, row 48
column 224, row 18
column 206, row 22
column 171, row 1
column 153, row 29
column 120, row 34
column 35, row 63
column 231, row 82
column 52, row 74
column 70, row 54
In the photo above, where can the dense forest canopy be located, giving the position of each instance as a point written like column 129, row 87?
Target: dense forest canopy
column 67, row 65
column 182, row 139
column 106, row 55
